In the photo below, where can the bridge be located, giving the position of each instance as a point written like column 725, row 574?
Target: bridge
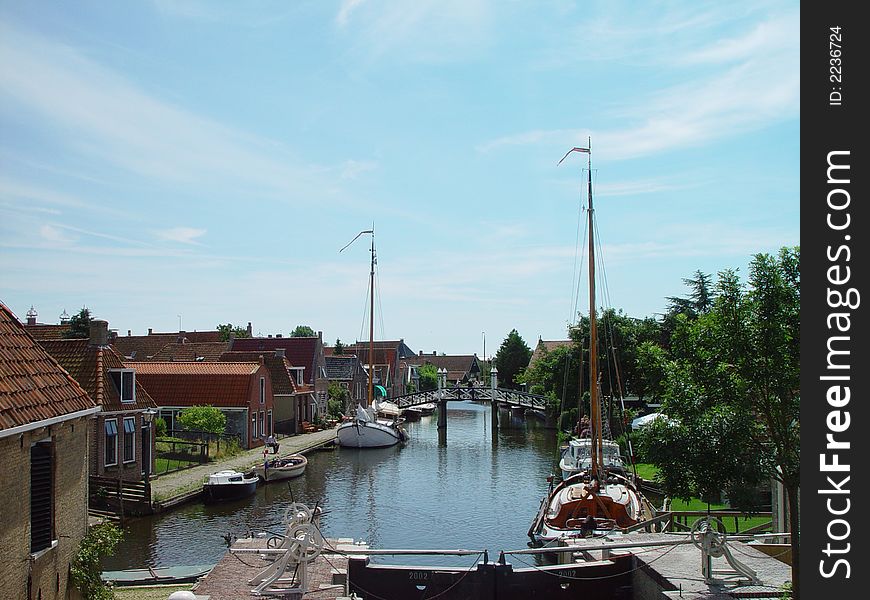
column 494, row 394
column 498, row 395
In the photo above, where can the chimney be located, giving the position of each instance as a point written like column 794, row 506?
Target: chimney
column 150, row 331
column 278, row 335
column 250, row 330
column 99, row 333
column 270, row 336
column 181, row 339
column 129, row 332
column 280, row 353
column 262, row 360
column 434, row 353
column 31, row 316
column 421, row 353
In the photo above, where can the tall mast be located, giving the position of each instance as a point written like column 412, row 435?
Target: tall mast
column 594, row 403
column 371, row 309
column 371, row 396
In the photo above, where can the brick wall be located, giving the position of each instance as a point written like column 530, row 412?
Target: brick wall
column 131, row 471
column 50, row 570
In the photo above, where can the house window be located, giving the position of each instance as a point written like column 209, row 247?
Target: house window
column 300, row 378
column 254, row 427
column 111, row 453
column 269, row 423
column 262, row 390
column 262, row 423
column 41, row 497
column 125, row 384
column 129, row 439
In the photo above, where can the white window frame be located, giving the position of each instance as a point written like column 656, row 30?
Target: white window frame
column 133, row 442
column 262, row 423
column 106, row 442
column 262, row 390
column 254, row 426
column 130, row 373
column 269, row 422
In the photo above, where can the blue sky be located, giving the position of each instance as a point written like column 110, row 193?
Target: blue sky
column 204, row 162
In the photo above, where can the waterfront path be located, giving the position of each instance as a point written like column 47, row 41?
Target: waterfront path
column 171, row 488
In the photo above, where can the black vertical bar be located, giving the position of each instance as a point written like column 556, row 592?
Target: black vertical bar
column 834, row 227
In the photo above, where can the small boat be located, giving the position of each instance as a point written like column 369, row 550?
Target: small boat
column 412, row 413
column 386, row 410
column 156, row 575
column 368, row 431
column 577, row 457
column 228, row 485
column 427, row 409
column 277, row 469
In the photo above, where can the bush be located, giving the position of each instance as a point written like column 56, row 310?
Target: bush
column 568, row 419
column 160, row 426
column 203, row 418
column 85, row 568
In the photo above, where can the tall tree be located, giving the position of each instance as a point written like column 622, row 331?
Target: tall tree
column 428, row 377
column 79, row 325
column 302, row 331
column 339, row 347
column 511, row 359
column 731, row 388
column 227, row 329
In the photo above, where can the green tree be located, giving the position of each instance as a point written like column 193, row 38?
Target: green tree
column 731, row 388
column 511, row 359
column 336, row 405
column 227, row 329
column 339, row 347
column 302, row 331
column 79, row 325
column 203, row 418
column 85, row 568
column 428, row 377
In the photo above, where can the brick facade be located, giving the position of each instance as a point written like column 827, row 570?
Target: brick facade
column 49, row 569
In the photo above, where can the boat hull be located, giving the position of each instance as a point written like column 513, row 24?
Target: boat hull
column 361, row 434
column 225, row 492
column 270, row 472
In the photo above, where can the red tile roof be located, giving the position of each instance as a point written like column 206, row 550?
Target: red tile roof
column 84, row 361
column 278, row 367
column 42, row 331
column 205, row 351
column 33, row 386
column 300, row 351
column 546, row 346
column 146, row 347
column 197, row 383
column 458, row 366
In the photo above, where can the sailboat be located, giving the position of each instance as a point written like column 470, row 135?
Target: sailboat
column 596, row 496
column 369, row 428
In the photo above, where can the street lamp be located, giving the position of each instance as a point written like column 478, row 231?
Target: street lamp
column 148, row 418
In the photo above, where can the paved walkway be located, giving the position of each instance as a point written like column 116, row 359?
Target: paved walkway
column 180, row 483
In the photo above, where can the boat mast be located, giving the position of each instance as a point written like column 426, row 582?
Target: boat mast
column 371, row 396
column 594, row 403
column 371, row 309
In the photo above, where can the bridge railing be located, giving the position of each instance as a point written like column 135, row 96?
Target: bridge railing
column 504, row 396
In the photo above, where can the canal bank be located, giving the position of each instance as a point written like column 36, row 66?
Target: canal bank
column 172, row 489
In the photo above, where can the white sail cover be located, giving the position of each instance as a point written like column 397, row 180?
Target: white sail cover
column 362, row 415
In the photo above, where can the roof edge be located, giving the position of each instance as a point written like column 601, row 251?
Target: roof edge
column 46, row 422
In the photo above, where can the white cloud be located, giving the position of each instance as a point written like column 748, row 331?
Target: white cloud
column 344, row 12
column 183, row 235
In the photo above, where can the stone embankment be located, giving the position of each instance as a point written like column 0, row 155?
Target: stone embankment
column 174, row 488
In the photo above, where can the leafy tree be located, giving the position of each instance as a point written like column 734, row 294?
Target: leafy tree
column 227, row 329
column 731, row 388
column 511, row 359
column 203, row 418
column 428, row 377
column 302, row 331
column 339, row 347
column 85, row 569
column 556, row 374
column 79, row 325
column 160, row 427
column 338, row 399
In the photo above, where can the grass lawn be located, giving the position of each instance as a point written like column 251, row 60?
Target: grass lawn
column 647, row 471
column 149, row 592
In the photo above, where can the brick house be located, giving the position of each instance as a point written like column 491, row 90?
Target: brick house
column 285, row 397
column 462, row 369
column 390, row 362
column 122, row 441
column 347, row 371
column 306, row 357
column 241, row 390
column 44, row 423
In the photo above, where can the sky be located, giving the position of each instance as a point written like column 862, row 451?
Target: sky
column 180, row 164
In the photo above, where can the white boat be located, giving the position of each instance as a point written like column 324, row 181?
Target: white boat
column 412, row 413
column 287, row 467
column 377, row 425
column 577, row 457
column 228, row 485
column 365, row 430
column 596, row 497
column 427, row 409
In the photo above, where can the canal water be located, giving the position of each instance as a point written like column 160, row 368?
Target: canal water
column 480, row 491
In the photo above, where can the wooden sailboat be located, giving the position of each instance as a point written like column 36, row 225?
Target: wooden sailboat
column 367, row 428
column 597, row 496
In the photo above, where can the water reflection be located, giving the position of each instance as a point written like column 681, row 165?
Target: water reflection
column 479, row 491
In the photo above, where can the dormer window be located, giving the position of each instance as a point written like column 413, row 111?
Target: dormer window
column 300, row 378
column 125, row 384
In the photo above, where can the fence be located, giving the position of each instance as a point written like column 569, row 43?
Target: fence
column 175, row 455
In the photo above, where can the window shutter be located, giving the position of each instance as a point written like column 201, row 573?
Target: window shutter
column 41, row 500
